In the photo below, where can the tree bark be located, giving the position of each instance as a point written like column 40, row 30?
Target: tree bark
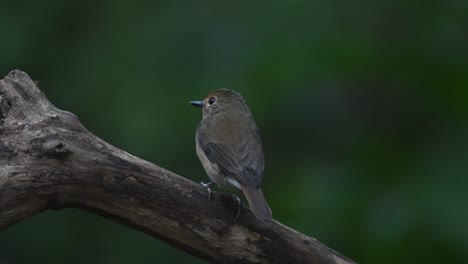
column 48, row 160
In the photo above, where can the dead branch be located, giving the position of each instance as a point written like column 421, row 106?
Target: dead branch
column 48, row 160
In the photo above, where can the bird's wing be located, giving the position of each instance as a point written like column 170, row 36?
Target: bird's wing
column 234, row 147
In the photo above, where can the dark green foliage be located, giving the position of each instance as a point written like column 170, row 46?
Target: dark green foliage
column 362, row 108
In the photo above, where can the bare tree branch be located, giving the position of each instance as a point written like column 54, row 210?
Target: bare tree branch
column 48, row 160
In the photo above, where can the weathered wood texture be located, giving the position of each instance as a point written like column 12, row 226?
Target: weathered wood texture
column 48, row 160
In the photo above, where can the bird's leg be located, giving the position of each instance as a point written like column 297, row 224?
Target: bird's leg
column 238, row 200
column 207, row 186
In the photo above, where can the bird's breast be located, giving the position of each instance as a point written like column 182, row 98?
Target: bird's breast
column 211, row 169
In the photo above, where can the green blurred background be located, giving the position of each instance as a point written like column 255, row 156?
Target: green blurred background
column 362, row 106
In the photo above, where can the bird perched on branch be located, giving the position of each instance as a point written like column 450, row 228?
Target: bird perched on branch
column 230, row 149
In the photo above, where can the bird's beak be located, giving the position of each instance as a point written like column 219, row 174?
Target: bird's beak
column 197, row 103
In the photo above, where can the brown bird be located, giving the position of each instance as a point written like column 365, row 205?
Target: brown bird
column 229, row 147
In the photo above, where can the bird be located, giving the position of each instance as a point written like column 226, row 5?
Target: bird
column 229, row 147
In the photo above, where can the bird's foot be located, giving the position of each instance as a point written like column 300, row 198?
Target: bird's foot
column 238, row 200
column 207, row 186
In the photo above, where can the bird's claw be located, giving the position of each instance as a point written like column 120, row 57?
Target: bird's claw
column 207, row 186
column 238, row 200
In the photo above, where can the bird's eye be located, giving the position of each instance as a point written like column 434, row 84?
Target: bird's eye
column 212, row 100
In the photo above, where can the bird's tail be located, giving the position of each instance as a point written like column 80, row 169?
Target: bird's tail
column 257, row 203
